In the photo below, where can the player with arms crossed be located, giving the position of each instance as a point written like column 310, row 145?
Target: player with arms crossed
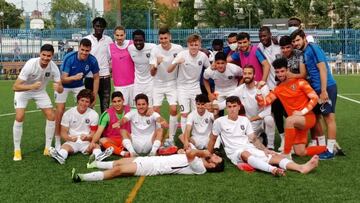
column 31, row 84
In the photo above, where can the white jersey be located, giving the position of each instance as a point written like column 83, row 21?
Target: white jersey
column 271, row 53
column 100, row 49
column 173, row 164
column 142, row 125
column 141, row 60
column 227, row 81
column 162, row 78
column 32, row 72
column 233, row 134
column 79, row 124
column 190, row 71
column 201, row 125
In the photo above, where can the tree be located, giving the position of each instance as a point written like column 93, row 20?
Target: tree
column 168, row 16
column 186, row 14
column 12, row 16
column 69, row 13
column 220, row 14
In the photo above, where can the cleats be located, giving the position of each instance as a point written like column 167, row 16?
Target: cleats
column 17, row 155
column 74, row 176
column 55, row 155
column 105, row 154
column 167, row 150
column 245, row 167
column 91, row 165
column 338, row 150
column 46, row 152
column 168, row 143
column 326, row 155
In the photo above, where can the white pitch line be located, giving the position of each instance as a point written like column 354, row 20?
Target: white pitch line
column 351, row 94
column 347, row 98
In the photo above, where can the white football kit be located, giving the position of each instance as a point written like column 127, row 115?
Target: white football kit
column 143, row 80
column 201, row 128
column 79, row 124
column 173, row 164
column 271, row 53
column 164, row 82
column 31, row 73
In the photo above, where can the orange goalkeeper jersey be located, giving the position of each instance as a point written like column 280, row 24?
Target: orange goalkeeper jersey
column 295, row 95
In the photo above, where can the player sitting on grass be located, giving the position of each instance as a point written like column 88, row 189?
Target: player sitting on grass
column 108, row 129
column 198, row 124
column 78, row 126
column 242, row 146
column 192, row 162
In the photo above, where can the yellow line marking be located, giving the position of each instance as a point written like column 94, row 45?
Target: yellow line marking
column 135, row 189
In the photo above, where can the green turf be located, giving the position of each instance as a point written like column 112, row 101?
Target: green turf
column 38, row 178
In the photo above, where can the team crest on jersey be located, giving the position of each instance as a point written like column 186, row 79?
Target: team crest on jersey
column 230, row 77
column 206, row 120
column 87, row 67
column 47, row 74
column 242, row 127
column 148, row 55
column 87, row 121
column 293, row 87
column 175, row 54
column 200, row 63
column 148, row 121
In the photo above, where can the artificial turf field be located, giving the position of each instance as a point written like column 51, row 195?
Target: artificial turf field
column 40, row 179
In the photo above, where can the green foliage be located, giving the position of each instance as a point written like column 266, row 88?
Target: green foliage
column 187, row 13
column 219, row 15
column 12, row 15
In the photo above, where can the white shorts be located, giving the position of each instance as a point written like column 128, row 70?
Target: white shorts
column 142, row 144
column 62, row 97
column 235, row 157
column 79, row 146
column 128, row 93
column 41, row 98
column 187, row 100
column 160, row 93
column 146, row 166
column 145, row 89
column 201, row 142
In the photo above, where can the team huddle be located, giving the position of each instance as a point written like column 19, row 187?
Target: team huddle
column 259, row 85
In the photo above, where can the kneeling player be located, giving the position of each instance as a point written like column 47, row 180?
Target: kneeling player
column 198, row 124
column 192, row 162
column 78, row 125
column 241, row 144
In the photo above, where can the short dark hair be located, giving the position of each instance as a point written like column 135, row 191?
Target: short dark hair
column 138, row 32
column 86, row 93
column 202, row 98
column 117, row 94
column 220, row 56
column 218, row 42
column 285, row 40
column 85, row 42
column 250, row 67
column 242, row 35
column 280, row 63
column 233, row 34
column 119, row 28
column 219, row 166
column 47, row 47
column 264, row 28
column 141, row 96
column 296, row 19
column 298, row 32
column 101, row 20
column 164, row 30
column 233, row 99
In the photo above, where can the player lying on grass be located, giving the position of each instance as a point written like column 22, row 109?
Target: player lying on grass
column 198, row 125
column 242, row 146
column 298, row 99
column 192, row 162
column 78, row 126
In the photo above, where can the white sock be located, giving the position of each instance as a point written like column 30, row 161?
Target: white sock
column 63, row 153
column 260, row 164
column 183, row 124
column 313, row 142
column 330, row 145
column 284, row 162
column 322, row 140
column 104, row 164
column 271, row 140
column 282, row 142
column 217, row 143
column 155, row 146
column 172, row 127
column 57, row 142
column 96, row 152
column 17, row 134
column 49, row 133
column 94, row 176
column 270, row 131
column 127, row 144
column 192, row 146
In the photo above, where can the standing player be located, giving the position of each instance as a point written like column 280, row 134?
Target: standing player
column 78, row 126
column 140, row 54
column 198, row 125
column 323, row 83
column 298, row 99
column 31, row 84
column 190, row 63
column 165, row 83
column 108, row 133
column 241, row 144
column 100, row 49
column 146, row 135
column 192, row 162
column 123, row 70
column 75, row 67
